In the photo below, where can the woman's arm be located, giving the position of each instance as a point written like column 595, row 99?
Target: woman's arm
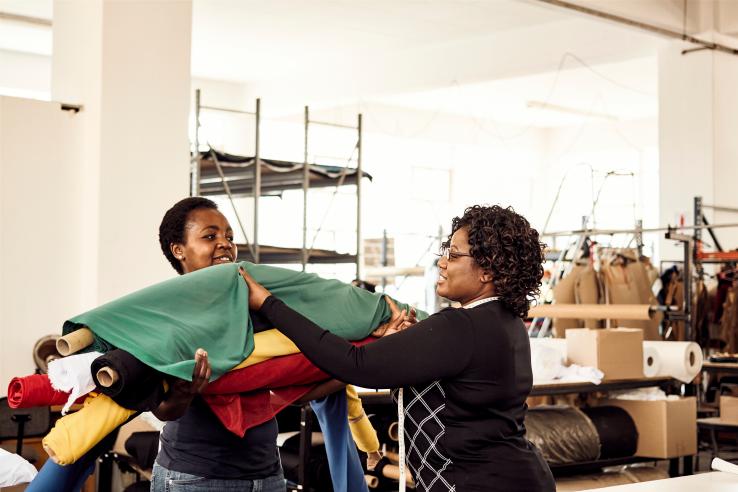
column 435, row 348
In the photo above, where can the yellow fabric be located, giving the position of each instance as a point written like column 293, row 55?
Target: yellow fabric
column 78, row 432
column 268, row 344
column 364, row 434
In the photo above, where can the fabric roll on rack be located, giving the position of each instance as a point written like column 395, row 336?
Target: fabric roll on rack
column 568, row 435
column 563, row 434
column 138, row 386
column 616, row 430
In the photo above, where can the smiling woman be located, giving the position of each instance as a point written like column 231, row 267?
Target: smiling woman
column 194, row 235
column 197, row 452
column 466, row 371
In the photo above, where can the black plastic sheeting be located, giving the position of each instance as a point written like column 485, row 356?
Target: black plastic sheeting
column 563, row 434
column 616, row 429
column 567, row 435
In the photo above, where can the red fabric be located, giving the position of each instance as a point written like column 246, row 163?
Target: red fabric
column 34, row 391
column 250, row 396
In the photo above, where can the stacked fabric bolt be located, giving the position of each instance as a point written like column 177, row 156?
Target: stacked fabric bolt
column 567, row 435
column 35, row 391
column 158, row 329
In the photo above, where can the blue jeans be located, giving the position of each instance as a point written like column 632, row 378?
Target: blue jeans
column 164, row 480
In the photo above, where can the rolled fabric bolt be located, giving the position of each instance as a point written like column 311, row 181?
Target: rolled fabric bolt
column 371, row 481
column 392, row 432
column 75, row 341
column 107, row 376
column 592, row 311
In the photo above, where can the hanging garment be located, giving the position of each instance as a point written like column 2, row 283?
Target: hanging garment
column 162, row 325
column 345, row 466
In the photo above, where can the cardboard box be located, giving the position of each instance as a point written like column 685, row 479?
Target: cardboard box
column 729, row 409
column 617, row 352
column 666, row 428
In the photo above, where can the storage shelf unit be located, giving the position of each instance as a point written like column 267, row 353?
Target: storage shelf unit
column 215, row 173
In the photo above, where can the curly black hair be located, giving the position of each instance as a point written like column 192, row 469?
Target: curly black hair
column 172, row 227
column 503, row 243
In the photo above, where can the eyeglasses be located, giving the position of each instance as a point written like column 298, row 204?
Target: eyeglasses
column 451, row 255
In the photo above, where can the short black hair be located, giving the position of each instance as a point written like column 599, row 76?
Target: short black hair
column 504, row 243
column 172, row 227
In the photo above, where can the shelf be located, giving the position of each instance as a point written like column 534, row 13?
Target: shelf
column 579, row 468
column 554, row 388
column 276, row 176
column 725, row 367
column 563, row 388
column 277, row 255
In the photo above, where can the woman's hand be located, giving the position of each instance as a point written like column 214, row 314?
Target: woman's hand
column 181, row 392
column 257, row 293
column 398, row 321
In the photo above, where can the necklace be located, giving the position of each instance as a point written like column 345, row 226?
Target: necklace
column 480, row 302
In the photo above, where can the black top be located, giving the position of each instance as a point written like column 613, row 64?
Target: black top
column 198, row 443
column 482, row 358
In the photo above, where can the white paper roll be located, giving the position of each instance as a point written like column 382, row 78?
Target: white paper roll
column 724, row 466
column 547, row 357
column 679, row 360
column 651, row 361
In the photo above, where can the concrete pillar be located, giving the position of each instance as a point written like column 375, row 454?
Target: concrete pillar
column 698, row 151
column 128, row 64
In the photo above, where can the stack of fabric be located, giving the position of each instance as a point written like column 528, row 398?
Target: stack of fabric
column 151, row 335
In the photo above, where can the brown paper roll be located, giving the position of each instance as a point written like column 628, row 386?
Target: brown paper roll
column 107, row 376
column 371, row 481
column 393, row 472
column 392, row 431
column 592, row 311
column 75, row 341
column 392, row 456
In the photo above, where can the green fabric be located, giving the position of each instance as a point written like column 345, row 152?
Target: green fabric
column 162, row 325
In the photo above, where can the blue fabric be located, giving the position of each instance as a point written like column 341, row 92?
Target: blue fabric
column 347, row 473
column 57, row 478
column 165, row 480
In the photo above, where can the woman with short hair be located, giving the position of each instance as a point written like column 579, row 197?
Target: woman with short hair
column 466, row 371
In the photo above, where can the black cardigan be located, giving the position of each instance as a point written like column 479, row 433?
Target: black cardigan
column 481, row 357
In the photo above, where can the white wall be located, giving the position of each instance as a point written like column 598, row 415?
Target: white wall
column 42, row 231
column 25, row 74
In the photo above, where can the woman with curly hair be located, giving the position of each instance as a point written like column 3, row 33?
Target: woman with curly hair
column 465, row 371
